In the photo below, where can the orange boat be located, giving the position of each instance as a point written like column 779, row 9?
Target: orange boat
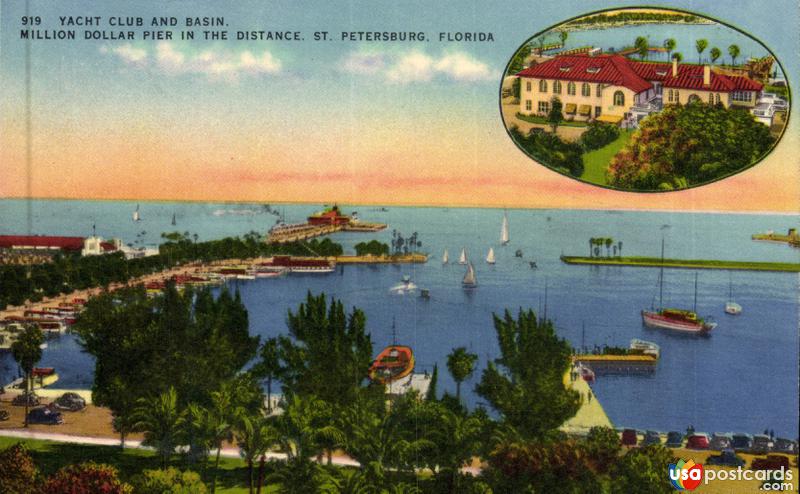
column 393, row 363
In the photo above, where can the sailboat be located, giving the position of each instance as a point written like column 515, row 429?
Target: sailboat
column 136, row 216
column 469, row 280
column 732, row 307
column 504, row 229
column 490, row 256
column 173, row 220
column 685, row 321
column 462, row 259
column 445, row 257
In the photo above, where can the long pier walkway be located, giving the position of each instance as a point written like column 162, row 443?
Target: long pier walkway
column 590, row 414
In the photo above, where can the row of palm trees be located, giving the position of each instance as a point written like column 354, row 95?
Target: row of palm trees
column 643, row 50
column 597, row 243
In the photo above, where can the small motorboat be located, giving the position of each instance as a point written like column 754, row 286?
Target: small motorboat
column 405, row 286
column 587, row 374
column 533, row 264
column 518, row 253
column 393, row 363
column 425, row 294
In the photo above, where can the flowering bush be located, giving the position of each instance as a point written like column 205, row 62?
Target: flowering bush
column 18, row 473
column 86, row 478
column 169, row 481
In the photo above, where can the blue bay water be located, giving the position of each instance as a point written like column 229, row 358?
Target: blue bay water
column 744, row 377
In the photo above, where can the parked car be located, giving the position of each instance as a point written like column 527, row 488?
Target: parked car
column 674, row 439
column 720, row 441
column 44, row 415
column 727, row 458
column 4, row 415
column 698, row 440
column 629, row 437
column 771, row 462
column 783, row 445
column 762, row 444
column 651, row 437
column 71, row 402
column 19, row 400
column 742, row 442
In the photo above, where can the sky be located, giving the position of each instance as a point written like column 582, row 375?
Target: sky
column 319, row 122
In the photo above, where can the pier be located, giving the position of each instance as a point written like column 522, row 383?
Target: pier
column 619, row 364
column 590, row 414
column 415, row 258
column 657, row 262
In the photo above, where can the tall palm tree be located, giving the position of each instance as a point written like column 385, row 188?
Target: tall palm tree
column 255, row 436
column 162, row 423
column 733, row 51
column 268, row 366
column 27, row 351
column 198, row 433
column 461, row 365
column 221, row 417
column 715, row 53
column 700, row 45
column 457, row 439
column 669, row 45
column 608, row 242
column 642, row 48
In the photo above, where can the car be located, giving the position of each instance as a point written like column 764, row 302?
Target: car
column 19, row 400
column 727, row 458
column 44, row 415
column 720, row 441
column 762, row 444
column 698, row 440
column 651, row 437
column 629, row 437
column 783, row 445
column 71, row 402
column 742, row 442
column 771, row 462
column 674, row 439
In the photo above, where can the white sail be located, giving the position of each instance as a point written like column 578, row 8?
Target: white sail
column 462, row 259
column 136, row 216
column 504, row 230
column 469, row 277
column 490, row 256
column 445, row 257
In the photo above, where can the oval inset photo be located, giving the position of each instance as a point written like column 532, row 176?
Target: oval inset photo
column 645, row 99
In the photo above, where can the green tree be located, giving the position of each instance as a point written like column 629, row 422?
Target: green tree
column 525, row 385
column 27, row 352
column 18, row 472
column 562, row 36
column 169, row 481
column 734, row 51
column 555, row 115
column 461, row 365
column 255, row 437
column 669, row 45
column 715, row 53
column 642, row 47
column 643, row 471
column 432, row 391
column 700, row 45
column 222, row 413
column 602, row 447
column 678, row 56
column 268, row 366
column 162, row 422
column 457, row 440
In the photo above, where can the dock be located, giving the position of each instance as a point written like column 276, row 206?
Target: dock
column 619, row 364
column 305, row 231
column 657, row 262
column 590, row 414
column 415, row 258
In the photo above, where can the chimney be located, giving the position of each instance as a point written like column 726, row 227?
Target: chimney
column 674, row 66
column 706, row 75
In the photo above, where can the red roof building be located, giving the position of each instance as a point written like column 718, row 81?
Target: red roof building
column 41, row 242
column 611, row 87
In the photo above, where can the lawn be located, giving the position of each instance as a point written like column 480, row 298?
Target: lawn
column 596, row 162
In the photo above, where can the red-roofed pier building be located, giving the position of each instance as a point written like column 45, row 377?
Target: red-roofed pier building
column 615, row 89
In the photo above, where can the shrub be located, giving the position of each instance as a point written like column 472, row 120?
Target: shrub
column 598, row 135
column 18, row 473
column 169, row 481
column 548, row 149
column 86, row 478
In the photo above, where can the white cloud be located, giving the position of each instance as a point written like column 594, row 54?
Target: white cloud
column 214, row 64
column 417, row 66
column 364, row 63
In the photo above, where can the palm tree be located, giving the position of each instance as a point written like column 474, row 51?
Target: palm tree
column 162, row 423
column 678, row 56
column 221, row 416
column 619, row 244
column 268, row 367
column 715, row 54
column 255, row 436
column 198, row 434
column 563, row 35
column 669, row 45
column 734, row 52
column 457, row 439
column 608, row 242
column 461, row 365
column 27, row 351
column 591, row 246
column 642, row 48
column 700, row 45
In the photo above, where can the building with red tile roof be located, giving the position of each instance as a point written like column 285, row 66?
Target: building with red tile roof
column 613, row 88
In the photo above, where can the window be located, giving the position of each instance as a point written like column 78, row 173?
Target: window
column 677, row 96
column 710, row 98
column 717, row 98
column 542, row 86
column 557, row 87
column 619, row 98
column 599, row 90
column 597, row 111
column 571, row 88
column 585, row 90
column 741, row 96
column 670, row 96
column 544, row 106
column 528, row 86
column 528, row 105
